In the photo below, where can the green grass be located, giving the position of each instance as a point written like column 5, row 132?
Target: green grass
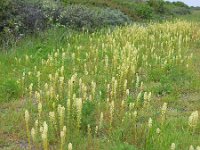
column 174, row 83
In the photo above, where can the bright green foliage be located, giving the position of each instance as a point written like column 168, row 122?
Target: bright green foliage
column 144, row 11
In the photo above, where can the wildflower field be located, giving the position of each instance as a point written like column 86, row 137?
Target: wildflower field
column 129, row 88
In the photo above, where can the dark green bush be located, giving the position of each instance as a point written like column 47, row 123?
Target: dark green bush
column 180, row 4
column 180, row 11
column 144, row 11
column 111, row 17
column 7, row 23
column 176, row 8
column 4, row 13
column 79, row 16
column 32, row 17
column 157, row 5
column 19, row 17
column 164, row 8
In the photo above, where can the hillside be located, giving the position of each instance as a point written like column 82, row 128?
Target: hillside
column 127, row 86
column 19, row 18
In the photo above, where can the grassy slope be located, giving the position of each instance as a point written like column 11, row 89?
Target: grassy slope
column 11, row 113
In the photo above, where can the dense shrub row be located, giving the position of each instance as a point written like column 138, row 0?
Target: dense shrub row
column 139, row 9
column 19, row 17
column 79, row 17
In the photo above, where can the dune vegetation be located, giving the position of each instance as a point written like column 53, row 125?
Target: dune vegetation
column 100, row 81
column 112, row 89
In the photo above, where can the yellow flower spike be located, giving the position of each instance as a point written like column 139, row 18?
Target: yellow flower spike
column 173, row 146
column 27, row 118
column 150, row 122
column 191, row 147
column 193, row 119
column 70, row 146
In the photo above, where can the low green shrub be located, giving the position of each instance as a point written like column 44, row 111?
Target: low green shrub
column 176, row 9
column 19, row 17
column 144, row 11
column 180, row 11
column 22, row 17
column 80, row 16
column 157, row 5
column 180, row 4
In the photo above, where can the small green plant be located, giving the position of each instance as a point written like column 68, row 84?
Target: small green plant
column 88, row 113
column 10, row 90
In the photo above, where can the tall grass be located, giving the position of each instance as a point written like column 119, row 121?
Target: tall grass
column 98, row 91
